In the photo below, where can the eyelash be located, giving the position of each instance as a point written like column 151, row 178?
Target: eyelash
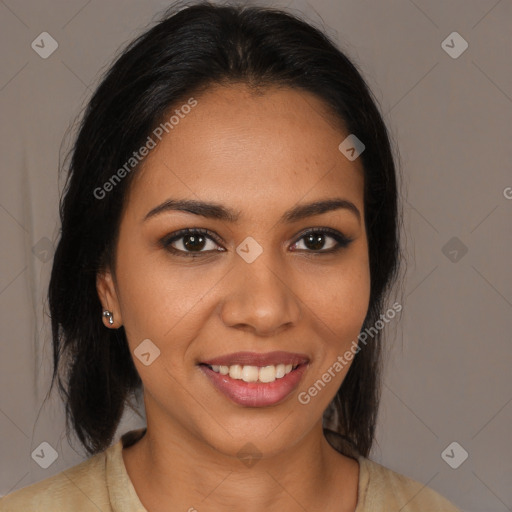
column 342, row 241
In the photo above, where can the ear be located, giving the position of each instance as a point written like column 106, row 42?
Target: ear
column 108, row 297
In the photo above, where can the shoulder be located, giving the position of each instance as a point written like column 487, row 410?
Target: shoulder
column 81, row 488
column 383, row 489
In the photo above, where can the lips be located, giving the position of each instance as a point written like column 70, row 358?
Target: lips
column 258, row 359
column 256, row 394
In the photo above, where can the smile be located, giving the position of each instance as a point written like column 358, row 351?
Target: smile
column 256, row 380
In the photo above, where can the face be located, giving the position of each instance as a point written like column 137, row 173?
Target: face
column 282, row 288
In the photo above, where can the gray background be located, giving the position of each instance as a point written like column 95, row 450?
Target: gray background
column 449, row 358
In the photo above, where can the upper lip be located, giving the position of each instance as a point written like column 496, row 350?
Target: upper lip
column 258, row 359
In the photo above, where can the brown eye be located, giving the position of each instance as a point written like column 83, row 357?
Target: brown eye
column 191, row 242
column 316, row 239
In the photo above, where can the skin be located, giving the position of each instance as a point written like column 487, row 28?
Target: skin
column 259, row 154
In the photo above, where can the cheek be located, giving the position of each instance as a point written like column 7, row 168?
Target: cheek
column 339, row 301
column 159, row 300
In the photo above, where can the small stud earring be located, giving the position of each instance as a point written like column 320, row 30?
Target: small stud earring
column 109, row 315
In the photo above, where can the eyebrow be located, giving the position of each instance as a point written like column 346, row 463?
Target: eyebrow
column 220, row 212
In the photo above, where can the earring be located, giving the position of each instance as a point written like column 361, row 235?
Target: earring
column 109, row 315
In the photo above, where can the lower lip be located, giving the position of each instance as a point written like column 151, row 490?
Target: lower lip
column 255, row 394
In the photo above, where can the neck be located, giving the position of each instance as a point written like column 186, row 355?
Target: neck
column 171, row 469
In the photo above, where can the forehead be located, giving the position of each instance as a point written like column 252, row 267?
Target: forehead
column 239, row 147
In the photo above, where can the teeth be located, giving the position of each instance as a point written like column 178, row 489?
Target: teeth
column 254, row 373
column 235, row 371
column 280, row 371
column 250, row 373
column 268, row 373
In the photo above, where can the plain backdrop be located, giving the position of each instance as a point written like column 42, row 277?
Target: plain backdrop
column 448, row 357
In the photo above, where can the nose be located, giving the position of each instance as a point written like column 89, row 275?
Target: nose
column 260, row 297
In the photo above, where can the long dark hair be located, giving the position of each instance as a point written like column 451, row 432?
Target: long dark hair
column 191, row 48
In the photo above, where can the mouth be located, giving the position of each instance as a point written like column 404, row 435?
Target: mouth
column 256, row 380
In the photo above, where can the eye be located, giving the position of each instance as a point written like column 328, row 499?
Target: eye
column 316, row 238
column 186, row 242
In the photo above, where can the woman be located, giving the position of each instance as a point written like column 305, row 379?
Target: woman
column 229, row 236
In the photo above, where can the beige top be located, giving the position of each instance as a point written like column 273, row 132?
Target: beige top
column 101, row 484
